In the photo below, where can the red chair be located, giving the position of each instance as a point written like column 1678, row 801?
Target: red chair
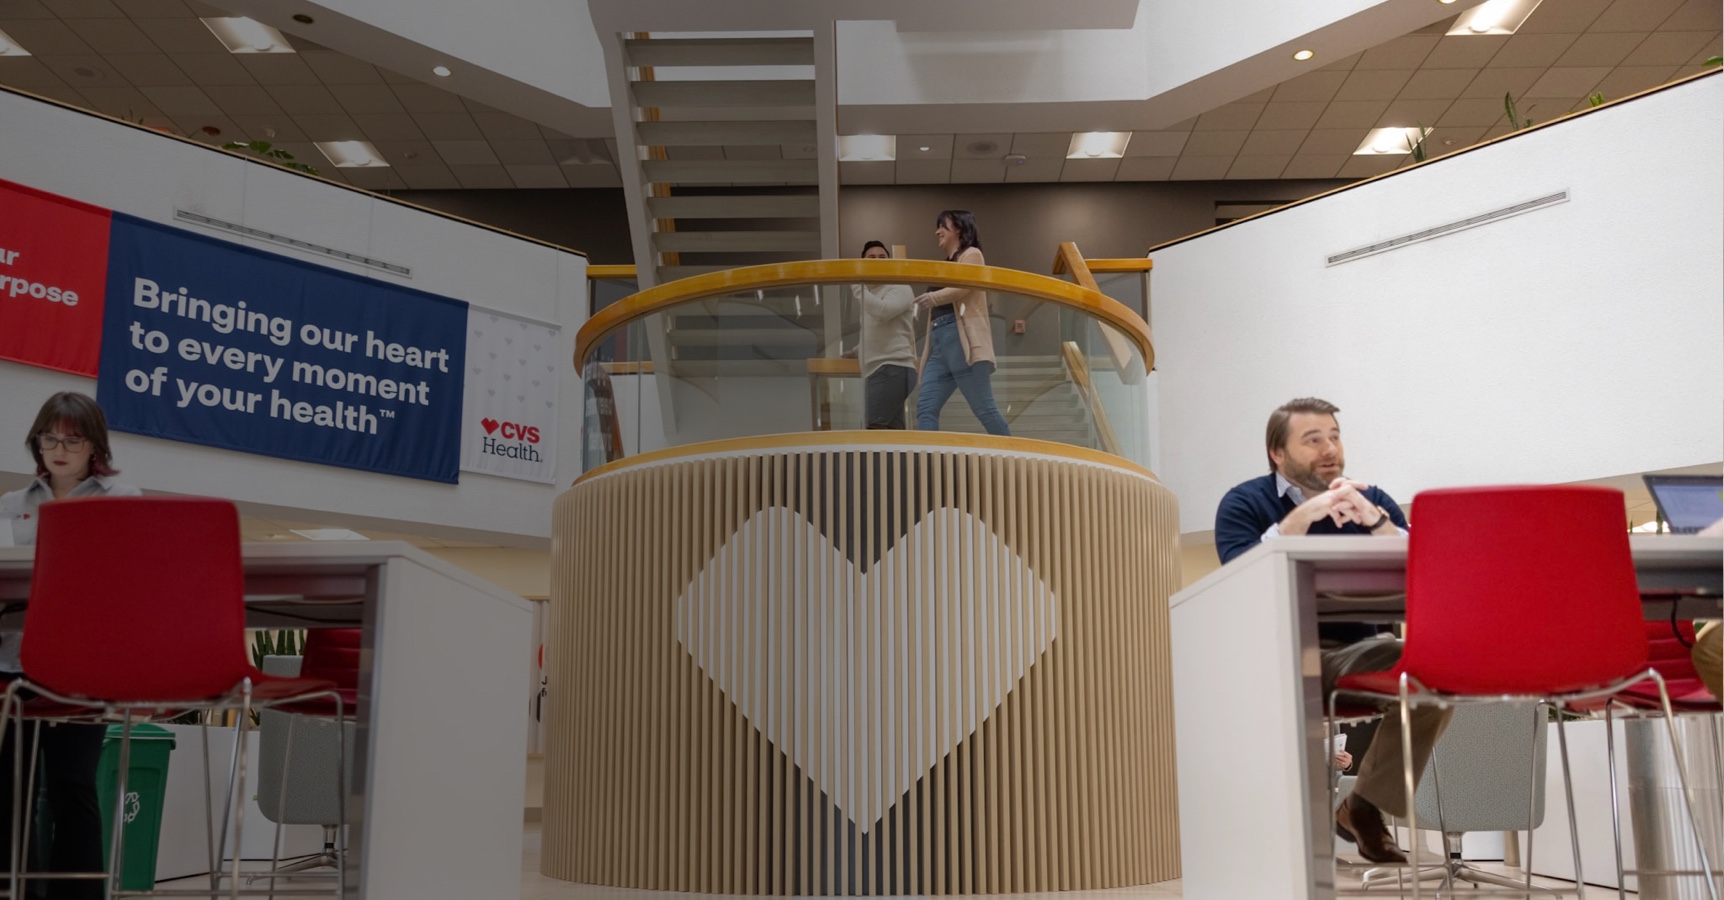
column 137, row 606
column 1517, row 594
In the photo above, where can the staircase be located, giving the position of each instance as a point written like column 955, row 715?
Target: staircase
column 734, row 157
column 1038, row 400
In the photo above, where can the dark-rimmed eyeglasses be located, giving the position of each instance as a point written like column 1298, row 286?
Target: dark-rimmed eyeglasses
column 50, row 442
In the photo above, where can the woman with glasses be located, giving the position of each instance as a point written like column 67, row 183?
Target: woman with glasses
column 69, row 442
column 960, row 351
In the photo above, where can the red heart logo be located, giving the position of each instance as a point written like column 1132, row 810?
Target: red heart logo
column 490, row 425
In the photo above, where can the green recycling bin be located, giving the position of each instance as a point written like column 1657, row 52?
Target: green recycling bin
column 146, row 791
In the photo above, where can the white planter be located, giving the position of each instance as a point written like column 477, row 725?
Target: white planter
column 184, row 848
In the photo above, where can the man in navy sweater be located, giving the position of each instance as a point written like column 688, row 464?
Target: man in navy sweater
column 1307, row 492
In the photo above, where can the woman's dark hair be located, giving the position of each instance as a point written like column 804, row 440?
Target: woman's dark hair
column 872, row 244
column 75, row 414
column 965, row 225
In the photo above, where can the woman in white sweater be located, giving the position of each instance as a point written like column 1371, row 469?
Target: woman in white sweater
column 888, row 349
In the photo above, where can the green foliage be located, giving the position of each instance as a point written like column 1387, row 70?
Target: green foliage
column 270, row 153
column 286, row 642
column 1417, row 148
column 1594, row 99
column 1515, row 121
column 1713, row 61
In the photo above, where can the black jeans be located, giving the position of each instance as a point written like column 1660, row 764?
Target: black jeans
column 883, row 400
column 66, row 783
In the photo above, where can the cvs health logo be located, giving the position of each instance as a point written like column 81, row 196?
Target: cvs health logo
column 511, row 431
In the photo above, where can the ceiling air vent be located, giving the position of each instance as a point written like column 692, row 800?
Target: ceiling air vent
column 1495, row 215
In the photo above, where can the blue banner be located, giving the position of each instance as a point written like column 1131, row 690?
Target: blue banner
column 215, row 343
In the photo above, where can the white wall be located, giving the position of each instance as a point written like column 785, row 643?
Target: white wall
column 149, row 175
column 1580, row 341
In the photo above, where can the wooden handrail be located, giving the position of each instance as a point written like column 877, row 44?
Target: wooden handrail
column 1129, row 264
column 1079, row 368
column 1069, row 259
column 606, row 272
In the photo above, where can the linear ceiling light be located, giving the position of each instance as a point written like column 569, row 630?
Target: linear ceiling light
column 1098, row 145
column 867, row 147
column 241, row 35
column 329, row 534
column 1390, row 141
column 1494, row 17
column 352, row 154
column 10, row 47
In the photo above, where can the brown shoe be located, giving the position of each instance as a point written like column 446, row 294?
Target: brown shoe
column 1363, row 825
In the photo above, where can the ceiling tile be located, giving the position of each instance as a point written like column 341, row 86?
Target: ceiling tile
column 1496, row 82
column 1409, row 113
column 531, row 153
column 480, row 177
column 976, row 146
column 154, row 9
column 1366, row 166
column 331, row 127
column 1465, row 51
column 1232, row 117
column 1668, row 48
column 923, row 171
column 396, row 77
column 1352, row 113
column 1373, row 84
column 1215, row 143
column 45, row 37
column 1405, row 52
column 598, row 176
column 121, row 101
column 1625, row 80
column 474, row 106
column 1283, row 116
column 466, row 153
column 1332, row 142
column 1202, row 168
column 542, row 176
column 112, row 35
column 428, row 178
column 27, row 72
column 259, row 128
column 1575, row 82
column 1314, row 166
column 305, row 99
column 84, row 71
column 28, row 9
column 181, row 101
column 277, row 68
column 1635, row 15
column 1436, row 84
column 243, row 100
column 213, row 68
column 742, row 152
column 367, row 98
column 910, row 146
column 1473, row 112
column 181, row 36
column 1041, row 169
column 1273, row 143
column 85, row 9
column 1042, row 145
column 193, row 127
column 1258, row 166
column 1263, row 96
column 871, row 172
column 1156, row 143
column 1448, row 140
column 423, row 98
column 149, row 69
column 1566, row 17
column 504, row 127
column 1600, row 49
column 407, row 153
column 379, row 179
column 1089, row 170
column 448, row 126
column 978, row 171
column 339, row 68
column 1533, row 50
column 1186, row 125
column 1695, row 15
column 1146, row 168
column 389, row 127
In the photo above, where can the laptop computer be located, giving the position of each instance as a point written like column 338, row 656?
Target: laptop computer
column 1688, row 502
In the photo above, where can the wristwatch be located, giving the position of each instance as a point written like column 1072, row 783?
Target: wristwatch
column 1382, row 516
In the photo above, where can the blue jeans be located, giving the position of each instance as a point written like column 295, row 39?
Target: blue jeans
column 947, row 371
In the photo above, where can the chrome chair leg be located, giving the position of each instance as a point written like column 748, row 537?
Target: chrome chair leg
column 116, row 848
column 1568, row 792
column 1682, row 775
column 1615, row 802
column 1538, row 709
column 1411, row 785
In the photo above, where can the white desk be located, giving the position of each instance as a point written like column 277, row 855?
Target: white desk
column 1247, row 705
column 442, row 757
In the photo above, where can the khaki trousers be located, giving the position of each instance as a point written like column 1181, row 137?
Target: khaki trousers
column 1380, row 779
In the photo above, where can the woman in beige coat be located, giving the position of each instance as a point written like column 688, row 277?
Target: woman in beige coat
column 960, row 351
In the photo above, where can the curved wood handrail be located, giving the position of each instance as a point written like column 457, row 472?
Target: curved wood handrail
column 843, row 271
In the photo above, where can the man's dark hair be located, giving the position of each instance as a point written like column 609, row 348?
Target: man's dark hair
column 872, row 244
column 1275, row 436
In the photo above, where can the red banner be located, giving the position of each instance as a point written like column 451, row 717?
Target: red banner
column 53, row 270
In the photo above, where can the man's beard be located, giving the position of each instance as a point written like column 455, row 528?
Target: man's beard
column 1306, row 478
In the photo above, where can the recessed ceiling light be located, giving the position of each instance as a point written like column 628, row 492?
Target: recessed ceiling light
column 242, row 35
column 1445, row 2
column 867, row 147
column 352, row 154
column 1303, row 55
column 440, row 71
column 924, row 149
column 9, row 47
column 1392, row 141
column 329, row 534
column 1098, row 145
column 304, row 19
column 1494, row 17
